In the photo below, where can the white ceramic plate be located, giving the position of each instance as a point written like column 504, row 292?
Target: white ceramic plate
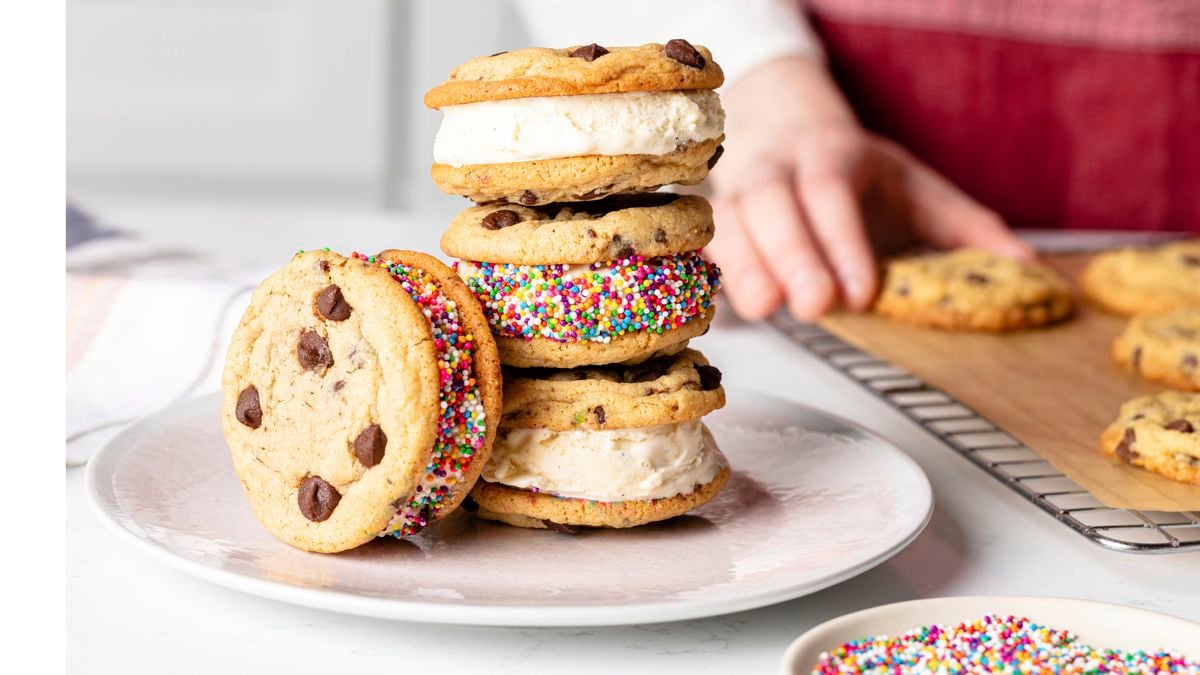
column 1098, row 624
column 813, row 500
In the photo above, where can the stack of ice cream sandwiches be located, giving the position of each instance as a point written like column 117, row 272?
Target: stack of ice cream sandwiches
column 362, row 394
column 590, row 279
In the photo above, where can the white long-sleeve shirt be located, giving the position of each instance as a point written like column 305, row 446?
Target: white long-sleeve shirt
column 740, row 33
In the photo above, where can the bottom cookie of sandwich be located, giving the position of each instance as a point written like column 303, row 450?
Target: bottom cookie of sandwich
column 638, row 495
column 525, row 508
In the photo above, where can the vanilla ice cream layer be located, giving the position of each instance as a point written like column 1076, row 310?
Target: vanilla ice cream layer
column 547, row 127
column 607, row 466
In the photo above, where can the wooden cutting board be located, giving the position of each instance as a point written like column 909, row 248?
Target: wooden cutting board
column 1054, row 389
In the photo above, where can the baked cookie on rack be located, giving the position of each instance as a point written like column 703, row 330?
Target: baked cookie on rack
column 970, row 289
column 1145, row 281
column 1160, row 433
column 536, row 126
column 360, row 397
column 611, row 446
column 1163, row 348
column 635, row 285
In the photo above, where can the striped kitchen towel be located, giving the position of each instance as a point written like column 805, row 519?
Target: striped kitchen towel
column 146, row 326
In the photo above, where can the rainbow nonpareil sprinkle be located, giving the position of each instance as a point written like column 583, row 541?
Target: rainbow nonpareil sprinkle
column 992, row 644
column 596, row 302
column 461, row 422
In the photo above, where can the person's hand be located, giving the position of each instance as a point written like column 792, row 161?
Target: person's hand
column 804, row 196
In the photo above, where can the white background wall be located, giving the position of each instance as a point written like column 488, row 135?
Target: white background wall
column 248, row 99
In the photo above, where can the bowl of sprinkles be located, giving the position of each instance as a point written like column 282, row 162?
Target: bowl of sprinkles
column 998, row 635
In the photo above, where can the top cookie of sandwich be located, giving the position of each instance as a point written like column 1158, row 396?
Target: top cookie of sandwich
column 1145, row 281
column 971, row 289
column 590, row 69
column 650, row 225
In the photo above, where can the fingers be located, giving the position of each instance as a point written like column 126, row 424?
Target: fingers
column 949, row 218
column 777, row 228
column 747, row 284
column 831, row 204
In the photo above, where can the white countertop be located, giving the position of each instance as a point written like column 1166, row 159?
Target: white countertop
column 126, row 612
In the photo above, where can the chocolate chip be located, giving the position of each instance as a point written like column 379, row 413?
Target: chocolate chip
column 601, row 418
column 470, row 505
column 712, row 161
column 561, row 528
column 977, row 279
column 324, row 265
column 624, row 249
column 313, row 351
column 660, row 236
column 589, row 52
column 683, row 52
column 248, row 409
column 648, row 370
column 332, row 305
column 497, row 54
column 591, row 233
column 369, row 445
column 1180, row 425
column 1190, row 260
column 498, row 220
column 317, row 498
column 337, row 386
column 1125, row 447
column 528, row 198
column 902, row 291
column 1136, row 359
column 710, row 377
column 1189, row 362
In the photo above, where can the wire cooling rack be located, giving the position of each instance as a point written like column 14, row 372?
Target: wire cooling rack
column 1003, row 457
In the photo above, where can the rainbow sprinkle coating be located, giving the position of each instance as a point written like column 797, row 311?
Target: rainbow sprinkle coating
column 462, row 425
column 595, row 302
column 992, row 644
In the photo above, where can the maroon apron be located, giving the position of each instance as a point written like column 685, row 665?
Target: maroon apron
column 1055, row 113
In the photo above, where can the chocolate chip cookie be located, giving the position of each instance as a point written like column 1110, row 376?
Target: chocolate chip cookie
column 662, row 390
column 650, row 225
column 1160, row 433
column 570, row 71
column 971, row 289
column 359, row 395
column 1145, row 281
column 1163, row 348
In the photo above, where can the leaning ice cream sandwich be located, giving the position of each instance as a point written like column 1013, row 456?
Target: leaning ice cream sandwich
column 610, row 281
column 536, row 126
column 361, row 397
column 610, row 446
